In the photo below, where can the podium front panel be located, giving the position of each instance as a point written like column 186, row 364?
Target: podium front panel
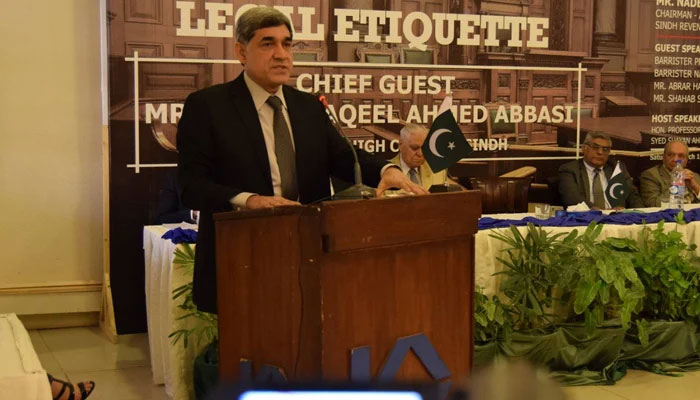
column 303, row 289
column 375, row 297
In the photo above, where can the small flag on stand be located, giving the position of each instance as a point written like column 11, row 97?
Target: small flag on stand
column 617, row 189
column 445, row 143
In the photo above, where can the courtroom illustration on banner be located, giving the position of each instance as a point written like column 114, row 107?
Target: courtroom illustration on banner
column 528, row 80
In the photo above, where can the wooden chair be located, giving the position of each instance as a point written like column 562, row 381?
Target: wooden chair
column 499, row 129
column 303, row 52
column 502, row 195
column 588, row 110
column 409, row 55
column 377, row 53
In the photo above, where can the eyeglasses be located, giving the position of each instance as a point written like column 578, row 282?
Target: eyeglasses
column 596, row 147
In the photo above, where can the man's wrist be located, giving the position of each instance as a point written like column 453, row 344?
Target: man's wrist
column 241, row 199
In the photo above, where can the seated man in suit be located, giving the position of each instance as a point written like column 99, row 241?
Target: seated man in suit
column 256, row 143
column 655, row 182
column 411, row 161
column 585, row 180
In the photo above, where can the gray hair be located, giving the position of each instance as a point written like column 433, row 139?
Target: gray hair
column 258, row 18
column 591, row 136
column 410, row 129
column 668, row 144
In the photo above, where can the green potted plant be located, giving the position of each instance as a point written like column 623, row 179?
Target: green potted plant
column 591, row 308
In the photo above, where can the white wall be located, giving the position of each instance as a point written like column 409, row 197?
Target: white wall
column 50, row 156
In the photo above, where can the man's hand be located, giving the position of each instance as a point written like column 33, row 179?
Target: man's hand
column 256, row 202
column 690, row 180
column 393, row 177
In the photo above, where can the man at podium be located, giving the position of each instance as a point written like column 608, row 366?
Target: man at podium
column 255, row 143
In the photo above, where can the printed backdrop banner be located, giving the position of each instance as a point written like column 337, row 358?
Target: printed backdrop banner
column 528, row 79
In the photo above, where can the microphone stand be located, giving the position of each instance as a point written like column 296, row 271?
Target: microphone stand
column 358, row 190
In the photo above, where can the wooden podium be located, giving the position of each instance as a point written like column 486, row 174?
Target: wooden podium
column 300, row 289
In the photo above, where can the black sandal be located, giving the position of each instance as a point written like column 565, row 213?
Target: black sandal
column 84, row 393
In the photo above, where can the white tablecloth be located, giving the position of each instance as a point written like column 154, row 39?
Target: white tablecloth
column 21, row 374
column 171, row 364
column 488, row 248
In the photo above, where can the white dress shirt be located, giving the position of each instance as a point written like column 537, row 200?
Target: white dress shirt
column 266, row 115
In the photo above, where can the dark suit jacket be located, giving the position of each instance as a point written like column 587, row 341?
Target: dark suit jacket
column 574, row 186
column 222, row 153
column 170, row 207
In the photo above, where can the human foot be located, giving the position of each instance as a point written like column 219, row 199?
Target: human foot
column 62, row 390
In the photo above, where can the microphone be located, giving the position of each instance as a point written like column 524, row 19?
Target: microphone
column 322, row 98
column 358, row 190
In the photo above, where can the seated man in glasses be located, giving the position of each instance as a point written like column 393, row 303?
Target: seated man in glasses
column 585, row 180
column 655, row 182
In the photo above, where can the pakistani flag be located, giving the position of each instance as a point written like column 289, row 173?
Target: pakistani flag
column 445, row 144
column 617, row 189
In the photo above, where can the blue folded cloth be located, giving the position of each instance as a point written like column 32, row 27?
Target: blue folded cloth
column 179, row 235
column 585, row 218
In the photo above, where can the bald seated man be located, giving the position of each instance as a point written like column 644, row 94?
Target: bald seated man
column 654, row 183
column 411, row 160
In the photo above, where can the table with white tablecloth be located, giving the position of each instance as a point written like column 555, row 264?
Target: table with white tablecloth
column 171, row 364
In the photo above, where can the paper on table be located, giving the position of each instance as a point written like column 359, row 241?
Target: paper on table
column 183, row 225
column 582, row 206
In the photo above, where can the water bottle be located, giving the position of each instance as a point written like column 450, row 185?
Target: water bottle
column 677, row 188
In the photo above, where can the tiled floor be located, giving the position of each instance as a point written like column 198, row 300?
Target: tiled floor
column 641, row 385
column 122, row 370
